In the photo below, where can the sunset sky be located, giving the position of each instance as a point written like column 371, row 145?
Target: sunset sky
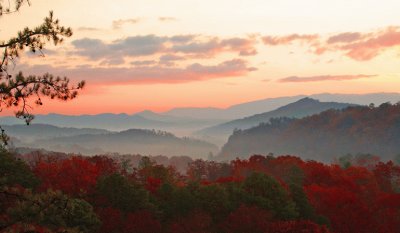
column 159, row 54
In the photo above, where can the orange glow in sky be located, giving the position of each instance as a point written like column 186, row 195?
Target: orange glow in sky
column 157, row 54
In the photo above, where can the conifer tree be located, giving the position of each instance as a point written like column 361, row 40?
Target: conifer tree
column 16, row 90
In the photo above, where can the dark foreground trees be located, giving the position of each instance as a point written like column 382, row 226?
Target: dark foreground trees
column 23, row 208
column 262, row 194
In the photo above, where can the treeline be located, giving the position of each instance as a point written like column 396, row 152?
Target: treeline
column 325, row 136
column 126, row 161
column 139, row 141
column 262, row 194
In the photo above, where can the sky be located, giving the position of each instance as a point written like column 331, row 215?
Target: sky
column 162, row 54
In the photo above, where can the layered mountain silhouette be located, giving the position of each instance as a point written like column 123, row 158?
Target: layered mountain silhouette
column 185, row 121
column 43, row 131
column 94, row 141
column 324, row 136
column 117, row 122
column 265, row 105
column 61, row 132
column 301, row 108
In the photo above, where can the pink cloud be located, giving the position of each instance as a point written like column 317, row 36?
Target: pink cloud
column 373, row 44
column 355, row 45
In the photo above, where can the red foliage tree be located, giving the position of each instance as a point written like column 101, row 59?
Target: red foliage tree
column 195, row 222
column 387, row 213
column 141, row 222
column 74, row 176
column 303, row 226
column 111, row 219
column 387, row 176
column 247, row 219
column 346, row 211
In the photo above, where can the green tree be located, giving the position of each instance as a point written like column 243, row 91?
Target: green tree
column 177, row 201
column 14, row 171
column 16, row 90
column 51, row 210
column 265, row 192
column 214, row 200
column 122, row 193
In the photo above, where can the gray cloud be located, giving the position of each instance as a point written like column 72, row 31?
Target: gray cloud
column 143, row 63
column 197, row 47
column 166, row 19
column 170, row 59
column 91, row 48
column 117, row 24
column 88, row 29
column 325, row 78
column 346, row 37
column 182, row 39
column 137, row 46
column 113, row 61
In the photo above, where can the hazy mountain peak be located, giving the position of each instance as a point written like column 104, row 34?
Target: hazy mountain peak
column 307, row 100
column 324, row 135
column 147, row 113
column 300, row 108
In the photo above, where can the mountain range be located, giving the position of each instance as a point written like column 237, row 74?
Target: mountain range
column 184, row 121
column 182, row 126
column 264, row 105
column 301, row 108
column 94, row 141
column 324, row 136
column 34, row 132
column 89, row 134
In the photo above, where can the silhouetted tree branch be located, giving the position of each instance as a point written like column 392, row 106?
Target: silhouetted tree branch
column 16, row 90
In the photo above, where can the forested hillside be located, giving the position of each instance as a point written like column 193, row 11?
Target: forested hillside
column 330, row 134
column 34, row 132
column 263, row 194
column 301, row 108
column 133, row 141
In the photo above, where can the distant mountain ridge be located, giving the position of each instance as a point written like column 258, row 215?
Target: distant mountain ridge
column 118, row 122
column 97, row 141
column 132, row 141
column 185, row 121
column 323, row 136
column 301, row 108
column 264, row 105
column 45, row 131
column 235, row 111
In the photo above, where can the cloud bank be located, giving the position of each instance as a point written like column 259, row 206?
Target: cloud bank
column 194, row 46
column 297, row 79
column 146, row 74
column 355, row 45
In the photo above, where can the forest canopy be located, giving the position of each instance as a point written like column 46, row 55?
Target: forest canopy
column 260, row 194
